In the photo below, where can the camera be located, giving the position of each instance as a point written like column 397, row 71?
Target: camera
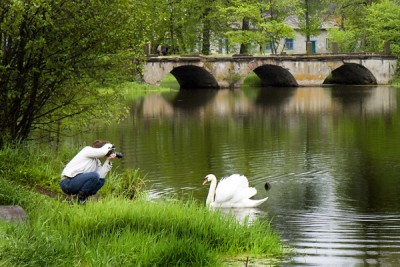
column 112, row 151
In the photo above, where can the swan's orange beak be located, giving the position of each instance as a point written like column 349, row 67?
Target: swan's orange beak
column 205, row 181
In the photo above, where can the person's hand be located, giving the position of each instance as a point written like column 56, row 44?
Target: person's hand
column 112, row 156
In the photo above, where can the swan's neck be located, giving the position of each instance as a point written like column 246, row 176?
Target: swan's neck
column 211, row 192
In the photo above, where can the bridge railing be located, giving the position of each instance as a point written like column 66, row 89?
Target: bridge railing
column 335, row 52
column 196, row 58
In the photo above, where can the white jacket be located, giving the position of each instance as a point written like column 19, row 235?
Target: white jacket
column 87, row 160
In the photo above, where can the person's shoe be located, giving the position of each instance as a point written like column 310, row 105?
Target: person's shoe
column 82, row 197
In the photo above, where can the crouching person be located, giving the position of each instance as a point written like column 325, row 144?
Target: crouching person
column 84, row 175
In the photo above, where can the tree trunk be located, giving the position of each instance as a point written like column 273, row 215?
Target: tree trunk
column 206, row 46
column 307, row 22
column 245, row 27
column 206, row 39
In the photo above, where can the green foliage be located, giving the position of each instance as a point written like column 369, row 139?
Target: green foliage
column 367, row 25
column 350, row 14
column 128, row 184
column 274, row 26
column 239, row 15
column 51, row 54
column 344, row 39
column 192, row 25
column 267, row 22
column 310, row 16
column 383, row 24
column 396, row 81
column 174, row 24
column 275, row 31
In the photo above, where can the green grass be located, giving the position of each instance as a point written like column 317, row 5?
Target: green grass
column 396, row 80
column 38, row 165
column 252, row 80
column 169, row 81
column 121, row 228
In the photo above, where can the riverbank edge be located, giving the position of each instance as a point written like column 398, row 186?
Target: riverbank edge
column 54, row 217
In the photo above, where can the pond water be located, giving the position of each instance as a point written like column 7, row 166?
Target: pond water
column 331, row 155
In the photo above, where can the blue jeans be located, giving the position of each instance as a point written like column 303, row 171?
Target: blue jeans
column 89, row 183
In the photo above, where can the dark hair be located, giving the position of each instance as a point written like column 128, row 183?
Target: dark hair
column 99, row 143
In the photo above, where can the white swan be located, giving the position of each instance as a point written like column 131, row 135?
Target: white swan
column 232, row 192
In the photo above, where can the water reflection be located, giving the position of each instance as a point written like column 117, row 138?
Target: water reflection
column 358, row 100
column 244, row 215
column 274, row 96
column 331, row 154
column 190, row 99
column 351, row 100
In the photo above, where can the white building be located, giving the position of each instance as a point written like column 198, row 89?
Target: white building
column 297, row 45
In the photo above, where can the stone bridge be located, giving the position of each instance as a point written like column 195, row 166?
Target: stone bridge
column 285, row 70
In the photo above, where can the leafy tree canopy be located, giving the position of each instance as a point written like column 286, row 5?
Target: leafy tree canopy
column 266, row 20
column 383, row 24
column 310, row 16
column 52, row 51
column 367, row 25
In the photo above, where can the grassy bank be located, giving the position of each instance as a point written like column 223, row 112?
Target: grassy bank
column 115, row 230
column 396, row 80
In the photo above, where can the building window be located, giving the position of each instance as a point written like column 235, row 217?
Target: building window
column 289, row 44
column 328, row 43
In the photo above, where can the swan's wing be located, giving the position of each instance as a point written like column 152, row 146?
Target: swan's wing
column 243, row 194
column 225, row 190
column 233, row 189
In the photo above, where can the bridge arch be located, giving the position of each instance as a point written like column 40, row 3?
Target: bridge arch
column 191, row 77
column 351, row 73
column 273, row 75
